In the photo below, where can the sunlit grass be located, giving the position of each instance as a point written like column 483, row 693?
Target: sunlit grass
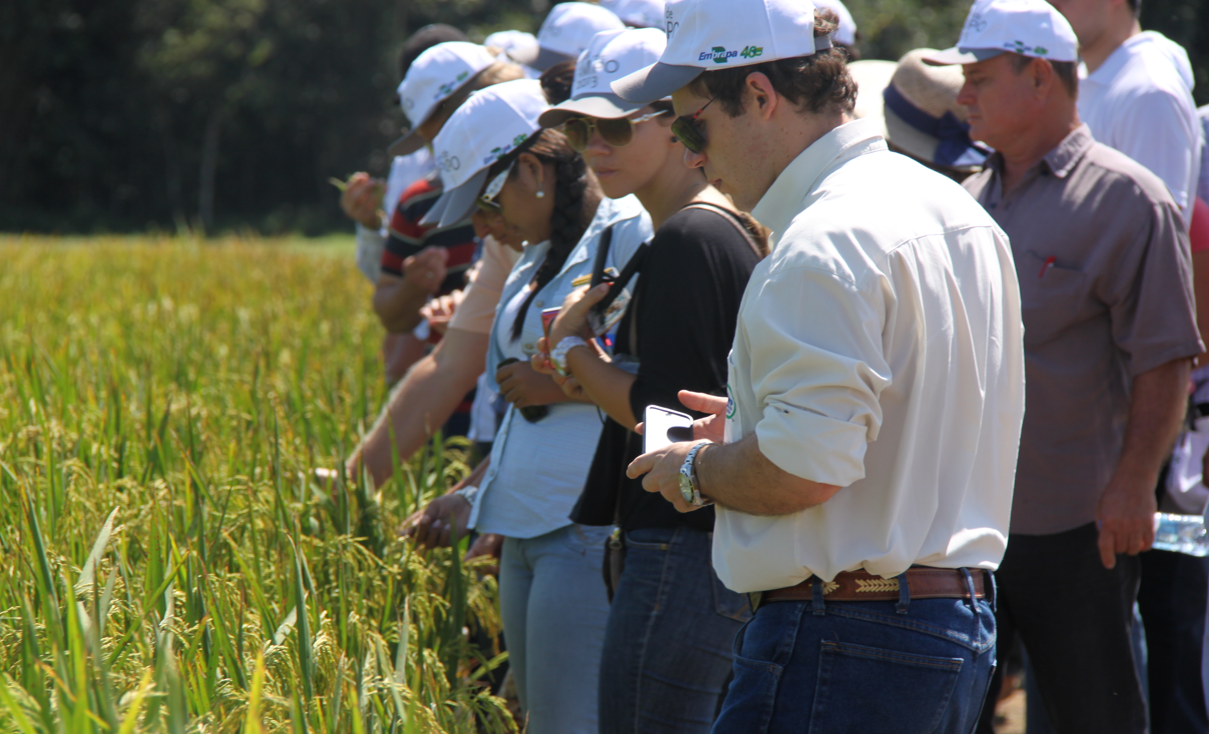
column 163, row 567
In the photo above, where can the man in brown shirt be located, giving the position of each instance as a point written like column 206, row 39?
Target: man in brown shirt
column 1109, row 329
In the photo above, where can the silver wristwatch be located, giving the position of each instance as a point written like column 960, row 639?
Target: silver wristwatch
column 688, row 479
column 558, row 355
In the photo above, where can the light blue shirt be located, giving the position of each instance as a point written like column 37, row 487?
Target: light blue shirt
column 538, row 469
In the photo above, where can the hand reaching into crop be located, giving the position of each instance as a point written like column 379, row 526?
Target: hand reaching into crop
column 435, row 526
column 489, row 545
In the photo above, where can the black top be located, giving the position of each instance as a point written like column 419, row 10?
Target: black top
column 682, row 316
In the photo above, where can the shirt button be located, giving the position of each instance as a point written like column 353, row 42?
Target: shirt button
column 538, row 303
column 528, row 347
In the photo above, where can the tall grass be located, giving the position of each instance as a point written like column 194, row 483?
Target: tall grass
column 163, row 565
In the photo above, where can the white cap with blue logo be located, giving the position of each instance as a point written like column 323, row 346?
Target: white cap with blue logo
column 705, row 35
column 435, row 76
column 488, row 126
column 611, row 55
column 1027, row 27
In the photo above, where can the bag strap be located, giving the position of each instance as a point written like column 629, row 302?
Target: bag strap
column 735, row 221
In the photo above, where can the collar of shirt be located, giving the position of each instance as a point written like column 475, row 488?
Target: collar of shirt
column 783, row 200
column 1060, row 161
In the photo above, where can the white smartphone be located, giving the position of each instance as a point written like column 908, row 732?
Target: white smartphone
column 658, row 424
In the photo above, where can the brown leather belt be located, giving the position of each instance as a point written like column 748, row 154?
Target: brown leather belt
column 922, row 583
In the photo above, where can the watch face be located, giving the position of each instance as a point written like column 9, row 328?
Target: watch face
column 686, row 489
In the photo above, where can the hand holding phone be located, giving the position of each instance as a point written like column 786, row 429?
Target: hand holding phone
column 663, row 427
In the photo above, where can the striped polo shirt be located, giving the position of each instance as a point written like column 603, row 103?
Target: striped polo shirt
column 407, row 236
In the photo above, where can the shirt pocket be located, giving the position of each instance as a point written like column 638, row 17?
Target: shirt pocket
column 1053, row 297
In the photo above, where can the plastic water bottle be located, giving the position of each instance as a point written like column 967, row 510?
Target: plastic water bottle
column 1181, row 533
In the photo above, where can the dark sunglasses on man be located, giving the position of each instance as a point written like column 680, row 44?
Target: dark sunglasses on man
column 617, row 132
column 686, row 131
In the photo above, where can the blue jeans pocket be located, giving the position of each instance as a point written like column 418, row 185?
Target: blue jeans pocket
column 750, row 698
column 899, row 692
column 729, row 604
column 585, row 539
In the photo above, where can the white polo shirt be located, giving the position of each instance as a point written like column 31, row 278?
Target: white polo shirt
column 1139, row 101
column 879, row 348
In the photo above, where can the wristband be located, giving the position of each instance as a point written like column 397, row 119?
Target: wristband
column 558, row 355
column 467, row 493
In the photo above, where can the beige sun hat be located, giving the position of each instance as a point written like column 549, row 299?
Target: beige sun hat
column 872, row 76
column 923, row 117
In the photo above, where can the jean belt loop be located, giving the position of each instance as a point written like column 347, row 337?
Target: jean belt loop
column 904, row 594
column 992, row 590
column 817, row 605
column 965, row 572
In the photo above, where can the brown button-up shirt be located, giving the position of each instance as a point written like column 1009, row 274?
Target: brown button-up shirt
column 1106, row 288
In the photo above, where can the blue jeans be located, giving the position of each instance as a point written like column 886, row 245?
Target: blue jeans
column 554, row 608
column 668, row 645
column 861, row 667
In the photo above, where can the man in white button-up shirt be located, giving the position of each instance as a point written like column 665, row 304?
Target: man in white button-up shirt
column 865, row 478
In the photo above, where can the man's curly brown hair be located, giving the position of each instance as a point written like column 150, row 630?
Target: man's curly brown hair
column 818, row 83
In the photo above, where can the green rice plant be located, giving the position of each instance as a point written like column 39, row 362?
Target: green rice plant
column 165, row 565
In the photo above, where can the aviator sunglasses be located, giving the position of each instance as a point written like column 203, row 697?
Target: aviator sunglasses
column 686, row 131
column 617, row 132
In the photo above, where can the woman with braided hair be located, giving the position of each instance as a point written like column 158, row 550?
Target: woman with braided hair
column 535, row 193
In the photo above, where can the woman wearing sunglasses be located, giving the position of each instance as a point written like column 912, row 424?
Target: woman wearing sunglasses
column 532, row 188
column 668, row 645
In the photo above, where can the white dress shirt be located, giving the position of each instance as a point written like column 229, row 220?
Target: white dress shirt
column 1139, row 101
column 880, row 349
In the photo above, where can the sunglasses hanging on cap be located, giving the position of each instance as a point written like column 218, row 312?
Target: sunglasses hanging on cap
column 686, row 131
column 486, row 200
column 617, row 132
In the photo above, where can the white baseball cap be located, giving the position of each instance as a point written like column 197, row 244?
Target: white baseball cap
column 565, row 34
column 435, row 76
column 704, row 35
column 484, row 129
column 637, row 13
column 507, row 41
column 846, row 33
column 611, row 55
column 1027, row 27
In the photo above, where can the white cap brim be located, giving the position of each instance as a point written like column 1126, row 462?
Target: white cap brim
column 604, row 106
column 457, row 203
column 654, row 82
column 406, row 145
column 536, row 57
column 956, row 55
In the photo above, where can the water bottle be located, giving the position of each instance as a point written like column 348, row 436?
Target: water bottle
column 1181, row 533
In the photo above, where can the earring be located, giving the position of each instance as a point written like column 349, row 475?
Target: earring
column 541, row 194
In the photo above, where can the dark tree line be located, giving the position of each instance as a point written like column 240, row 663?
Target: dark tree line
column 125, row 115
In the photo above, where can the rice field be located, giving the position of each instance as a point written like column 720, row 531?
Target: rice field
column 164, row 565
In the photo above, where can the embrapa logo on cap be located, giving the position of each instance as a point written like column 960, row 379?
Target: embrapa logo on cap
column 1024, row 50
column 447, row 88
column 720, row 55
column 500, row 152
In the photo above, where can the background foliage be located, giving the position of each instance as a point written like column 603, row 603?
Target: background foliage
column 164, row 566
column 163, row 114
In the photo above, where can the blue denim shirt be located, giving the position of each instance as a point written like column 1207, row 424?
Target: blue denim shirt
column 538, row 469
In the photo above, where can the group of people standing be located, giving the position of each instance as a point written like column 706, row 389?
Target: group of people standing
column 929, row 419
